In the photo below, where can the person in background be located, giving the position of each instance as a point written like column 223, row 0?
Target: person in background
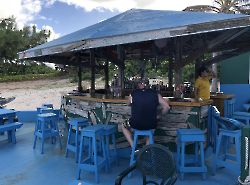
column 144, row 103
column 202, row 84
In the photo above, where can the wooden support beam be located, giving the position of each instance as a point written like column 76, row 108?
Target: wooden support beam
column 92, row 64
column 178, row 61
column 207, row 46
column 106, row 72
column 121, row 68
column 80, row 78
column 170, row 72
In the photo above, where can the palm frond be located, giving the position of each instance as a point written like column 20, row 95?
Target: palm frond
column 202, row 8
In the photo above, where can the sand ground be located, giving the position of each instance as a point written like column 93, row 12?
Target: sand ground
column 32, row 94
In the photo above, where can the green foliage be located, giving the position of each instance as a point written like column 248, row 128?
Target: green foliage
column 13, row 40
column 6, row 78
column 188, row 73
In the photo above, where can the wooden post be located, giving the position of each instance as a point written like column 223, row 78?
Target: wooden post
column 121, row 67
column 170, row 73
column 197, row 67
column 80, row 78
column 178, row 62
column 106, row 72
column 92, row 64
column 142, row 64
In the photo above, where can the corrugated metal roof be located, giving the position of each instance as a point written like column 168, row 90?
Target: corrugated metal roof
column 134, row 21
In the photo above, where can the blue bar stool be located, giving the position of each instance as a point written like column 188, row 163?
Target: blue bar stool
column 46, row 127
column 110, row 131
column 75, row 124
column 138, row 133
column 223, row 157
column 93, row 161
column 197, row 137
column 109, row 134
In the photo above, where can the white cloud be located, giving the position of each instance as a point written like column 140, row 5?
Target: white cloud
column 119, row 5
column 53, row 34
column 24, row 10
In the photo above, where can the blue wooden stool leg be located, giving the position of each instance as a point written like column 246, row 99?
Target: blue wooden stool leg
column 182, row 158
column 34, row 145
column 13, row 136
column 202, row 159
column 178, row 155
column 217, row 153
column 95, row 160
column 115, row 151
column 151, row 140
column 196, row 153
column 133, row 150
column 68, row 140
column 76, row 145
column 107, row 150
column 238, row 149
column 80, row 158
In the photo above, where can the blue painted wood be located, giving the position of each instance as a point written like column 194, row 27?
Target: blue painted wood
column 239, row 115
column 41, row 110
column 242, row 116
column 137, row 133
column 46, row 127
column 240, row 92
column 197, row 137
column 93, row 162
column 247, row 107
column 75, row 124
column 8, row 114
column 11, row 129
column 223, row 157
column 55, row 169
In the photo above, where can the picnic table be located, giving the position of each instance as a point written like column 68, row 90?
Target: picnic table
column 7, row 123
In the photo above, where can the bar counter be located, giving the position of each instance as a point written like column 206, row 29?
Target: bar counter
column 188, row 102
column 219, row 100
column 183, row 114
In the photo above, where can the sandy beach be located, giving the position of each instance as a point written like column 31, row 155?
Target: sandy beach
column 32, row 94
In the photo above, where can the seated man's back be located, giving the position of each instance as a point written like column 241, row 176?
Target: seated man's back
column 144, row 109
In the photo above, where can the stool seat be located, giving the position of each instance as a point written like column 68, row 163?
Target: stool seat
column 43, row 110
column 190, row 135
column 197, row 137
column 94, row 160
column 75, row 123
column 46, row 127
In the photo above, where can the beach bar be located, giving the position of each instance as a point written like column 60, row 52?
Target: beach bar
column 180, row 38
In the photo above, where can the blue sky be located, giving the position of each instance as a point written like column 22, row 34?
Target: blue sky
column 66, row 16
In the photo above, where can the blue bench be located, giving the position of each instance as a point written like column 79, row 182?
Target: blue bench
column 11, row 129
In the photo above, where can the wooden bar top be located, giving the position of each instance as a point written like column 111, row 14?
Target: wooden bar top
column 188, row 102
column 221, row 96
column 100, row 98
column 191, row 103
